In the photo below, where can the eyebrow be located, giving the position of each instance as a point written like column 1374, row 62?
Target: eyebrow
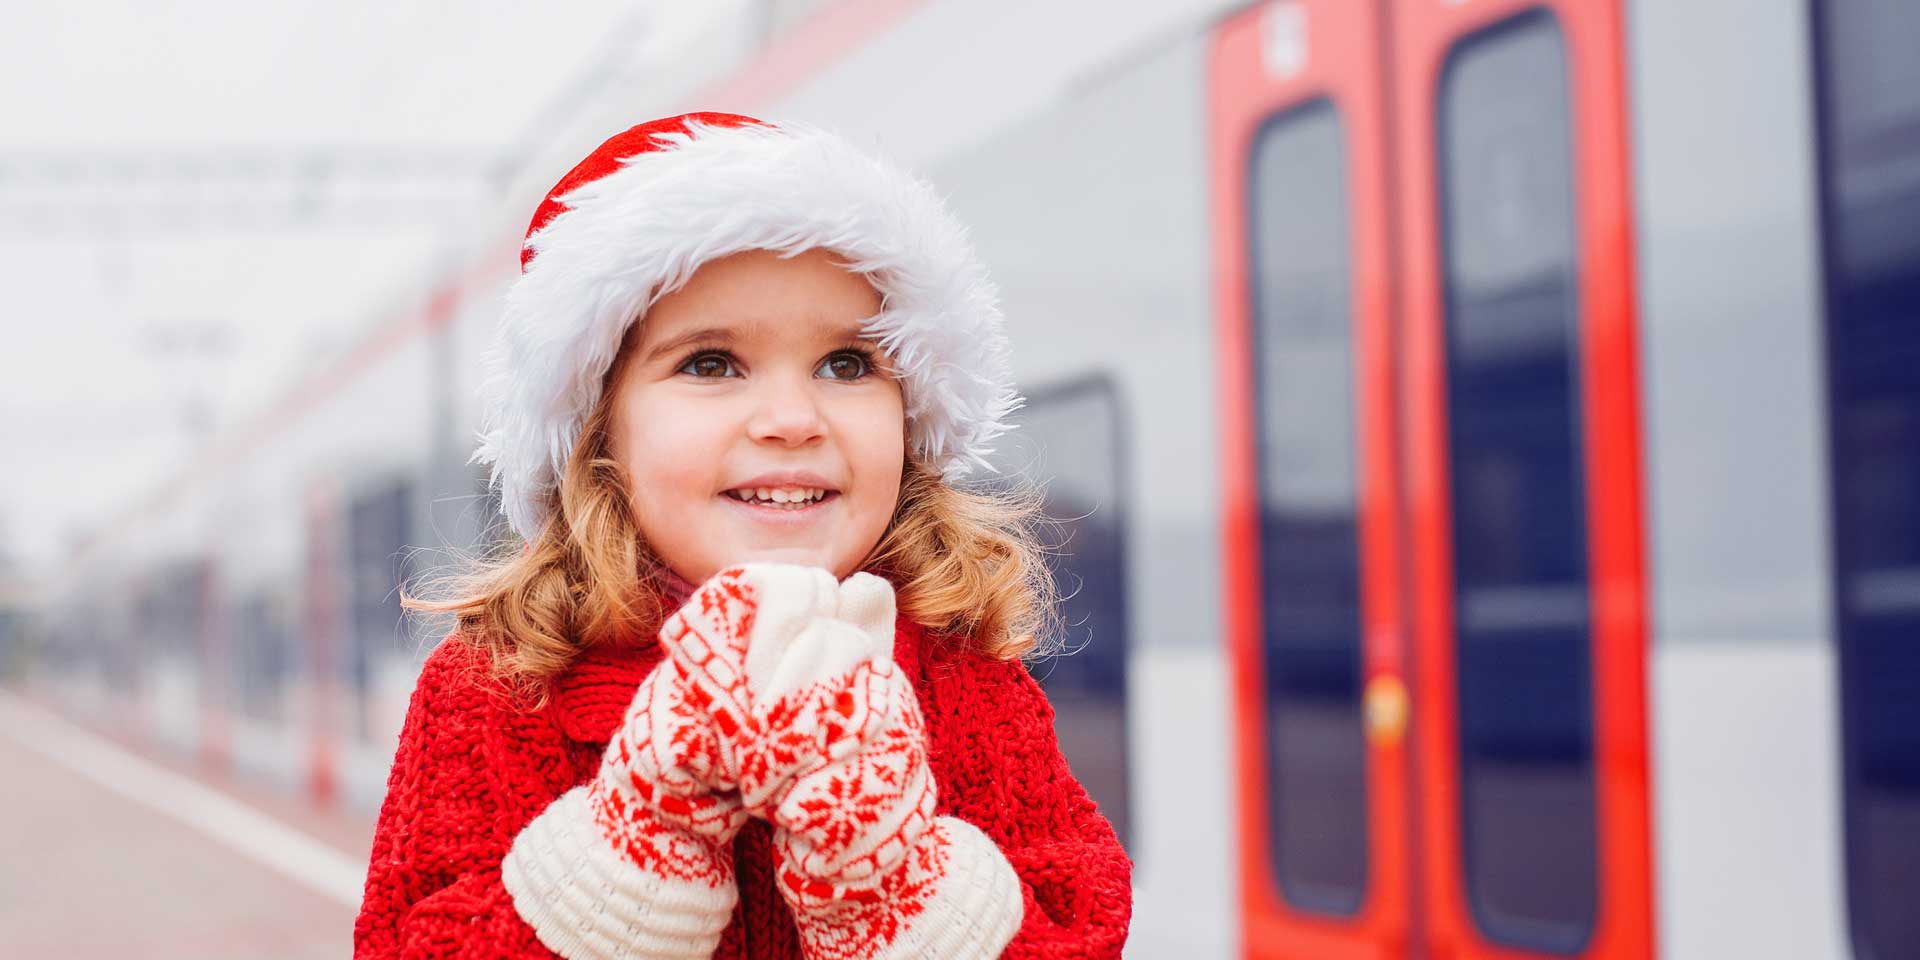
column 699, row 333
column 724, row 336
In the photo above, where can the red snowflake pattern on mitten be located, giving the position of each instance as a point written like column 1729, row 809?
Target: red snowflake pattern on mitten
column 835, row 757
column 858, row 855
column 841, row 766
column 822, row 735
column 666, row 794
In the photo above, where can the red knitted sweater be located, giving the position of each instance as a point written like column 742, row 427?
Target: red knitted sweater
column 472, row 770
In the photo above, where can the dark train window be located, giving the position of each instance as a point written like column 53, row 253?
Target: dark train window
column 379, row 527
column 1870, row 171
column 1316, row 768
column 264, row 656
column 173, row 610
column 1072, row 436
column 13, row 632
column 1521, row 601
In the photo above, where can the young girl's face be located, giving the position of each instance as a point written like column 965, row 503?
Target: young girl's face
column 755, row 423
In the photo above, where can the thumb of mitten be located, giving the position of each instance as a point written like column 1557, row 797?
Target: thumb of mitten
column 825, row 650
column 790, row 597
column 866, row 601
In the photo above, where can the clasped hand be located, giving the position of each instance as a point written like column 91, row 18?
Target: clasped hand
column 777, row 697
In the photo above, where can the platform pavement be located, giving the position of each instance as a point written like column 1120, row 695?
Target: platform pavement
column 113, row 850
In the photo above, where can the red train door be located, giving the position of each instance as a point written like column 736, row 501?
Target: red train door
column 1523, row 477
column 1431, row 478
column 1310, row 479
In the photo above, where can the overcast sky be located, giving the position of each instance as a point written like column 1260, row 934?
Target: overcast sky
column 117, row 328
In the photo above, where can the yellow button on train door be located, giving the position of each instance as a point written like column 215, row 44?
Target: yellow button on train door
column 1386, row 709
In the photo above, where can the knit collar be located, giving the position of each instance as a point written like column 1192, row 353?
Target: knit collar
column 674, row 589
column 591, row 697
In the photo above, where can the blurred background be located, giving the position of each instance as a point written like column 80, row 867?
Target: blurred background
column 1488, row 435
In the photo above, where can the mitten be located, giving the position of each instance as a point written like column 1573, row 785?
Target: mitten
column 638, row 861
column 835, row 756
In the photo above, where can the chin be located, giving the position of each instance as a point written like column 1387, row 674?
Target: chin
column 801, row 556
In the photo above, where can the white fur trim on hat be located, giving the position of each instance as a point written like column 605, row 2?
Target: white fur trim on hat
column 639, row 232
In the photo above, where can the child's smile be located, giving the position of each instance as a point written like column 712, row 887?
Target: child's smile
column 791, row 497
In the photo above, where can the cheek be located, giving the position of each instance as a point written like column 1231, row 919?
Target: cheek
column 876, row 452
column 669, row 456
column 668, row 482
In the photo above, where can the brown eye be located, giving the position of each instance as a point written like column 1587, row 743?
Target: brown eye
column 708, row 365
column 845, row 365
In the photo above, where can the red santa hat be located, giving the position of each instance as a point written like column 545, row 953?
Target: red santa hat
column 634, row 220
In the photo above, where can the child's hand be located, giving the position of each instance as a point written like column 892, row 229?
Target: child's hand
column 823, row 686
column 638, row 861
column 840, row 767
column 667, row 794
column 780, row 683
column 835, row 757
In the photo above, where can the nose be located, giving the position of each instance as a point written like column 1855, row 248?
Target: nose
column 787, row 412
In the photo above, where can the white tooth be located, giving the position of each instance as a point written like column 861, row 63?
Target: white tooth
column 762, row 493
column 781, row 496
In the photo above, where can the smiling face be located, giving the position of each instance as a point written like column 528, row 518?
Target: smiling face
column 755, row 423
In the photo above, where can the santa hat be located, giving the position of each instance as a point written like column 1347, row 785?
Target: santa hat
column 634, row 220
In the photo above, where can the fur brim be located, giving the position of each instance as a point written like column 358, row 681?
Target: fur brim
column 627, row 238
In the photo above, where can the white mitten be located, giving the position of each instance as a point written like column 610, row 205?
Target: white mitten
column 836, row 758
column 638, row 862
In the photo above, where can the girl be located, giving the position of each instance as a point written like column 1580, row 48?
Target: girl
column 749, row 358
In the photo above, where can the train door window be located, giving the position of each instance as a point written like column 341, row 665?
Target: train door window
column 1521, row 598
column 173, row 609
column 379, row 527
column 1870, row 165
column 265, row 654
column 1073, row 433
column 1308, row 497
column 13, row 631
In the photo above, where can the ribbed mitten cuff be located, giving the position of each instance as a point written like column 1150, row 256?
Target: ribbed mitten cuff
column 588, row 902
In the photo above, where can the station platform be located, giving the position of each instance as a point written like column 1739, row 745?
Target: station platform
column 114, row 849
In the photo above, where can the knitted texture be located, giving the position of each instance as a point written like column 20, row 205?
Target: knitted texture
column 835, row 756
column 637, row 863
column 669, row 775
column 474, row 769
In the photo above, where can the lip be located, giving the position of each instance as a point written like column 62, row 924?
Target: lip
column 786, row 478
column 782, row 516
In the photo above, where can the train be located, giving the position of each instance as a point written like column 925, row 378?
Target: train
column 1485, row 438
